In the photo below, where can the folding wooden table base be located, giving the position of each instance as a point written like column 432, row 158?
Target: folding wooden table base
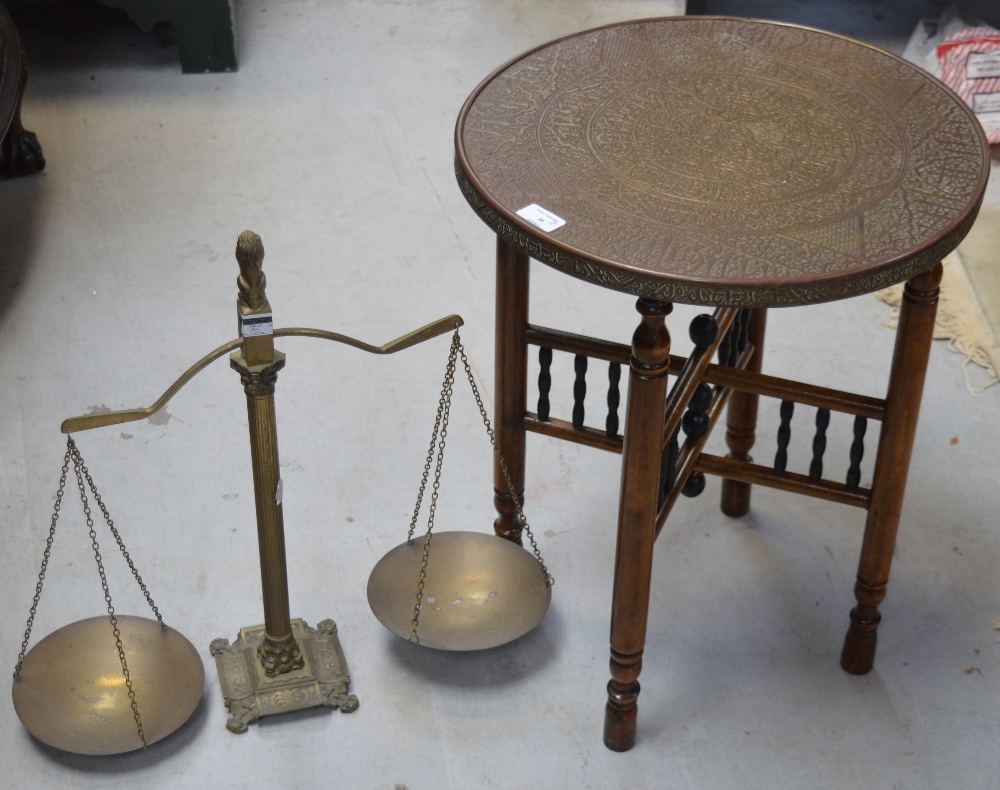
column 738, row 165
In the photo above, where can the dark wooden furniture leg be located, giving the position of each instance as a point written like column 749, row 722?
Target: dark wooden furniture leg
column 511, row 376
column 741, row 422
column 20, row 153
column 906, row 383
column 205, row 29
column 637, row 519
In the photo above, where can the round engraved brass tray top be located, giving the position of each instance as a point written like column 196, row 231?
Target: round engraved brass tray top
column 481, row 591
column 727, row 161
column 71, row 693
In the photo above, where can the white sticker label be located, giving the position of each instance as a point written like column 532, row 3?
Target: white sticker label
column 539, row 216
column 256, row 325
column 991, row 122
column 980, row 65
column 985, row 102
column 279, row 491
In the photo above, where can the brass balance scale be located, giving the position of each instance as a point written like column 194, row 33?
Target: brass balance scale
column 88, row 690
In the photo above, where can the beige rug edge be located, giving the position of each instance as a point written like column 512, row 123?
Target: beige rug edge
column 960, row 320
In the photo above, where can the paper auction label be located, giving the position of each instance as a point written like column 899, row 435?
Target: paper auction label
column 985, row 102
column 542, row 218
column 256, row 325
column 981, row 65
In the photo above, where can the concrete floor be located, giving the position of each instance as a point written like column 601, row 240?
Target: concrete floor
column 334, row 142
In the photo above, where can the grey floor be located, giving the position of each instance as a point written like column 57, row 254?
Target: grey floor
column 334, row 142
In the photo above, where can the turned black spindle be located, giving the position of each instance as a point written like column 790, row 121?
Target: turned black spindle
column 668, row 468
column 819, row 444
column 694, row 485
column 695, row 425
column 857, row 452
column 784, row 436
column 544, row 382
column 703, row 330
column 743, row 332
column 579, row 390
column 726, row 346
column 729, row 348
column 695, row 422
column 614, row 398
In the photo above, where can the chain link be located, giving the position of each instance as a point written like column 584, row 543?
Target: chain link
column 549, row 581
column 78, row 471
column 77, row 458
column 438, row 439
column 443, row 405
column 45, row 559
column 438, row 436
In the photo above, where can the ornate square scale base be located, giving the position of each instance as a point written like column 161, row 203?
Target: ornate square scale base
column 250, row 694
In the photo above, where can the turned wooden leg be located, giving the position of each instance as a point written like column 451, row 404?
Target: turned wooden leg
column 20, row 153
column 741, row 423
column 906, row 383
column 511, row 377
column 636, row 519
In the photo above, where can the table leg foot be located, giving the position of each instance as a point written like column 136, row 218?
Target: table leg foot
column 619, row 726
column 623, row 695
column 858, row 655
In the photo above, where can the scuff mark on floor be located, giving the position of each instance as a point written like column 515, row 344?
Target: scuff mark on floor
column 161, row 417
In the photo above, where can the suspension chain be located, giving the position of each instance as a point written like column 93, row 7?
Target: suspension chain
column 444, row 411
column 78, row 469
column 81, row 472
column 438, row 436
column 45, row 559
column 444, row 405
column 549, row 581
column 78, row 460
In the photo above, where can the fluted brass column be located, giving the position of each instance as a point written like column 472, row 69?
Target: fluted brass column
column 278, row 652
column 258, row 365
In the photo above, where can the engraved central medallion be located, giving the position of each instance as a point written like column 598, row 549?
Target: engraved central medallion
column 720, row 152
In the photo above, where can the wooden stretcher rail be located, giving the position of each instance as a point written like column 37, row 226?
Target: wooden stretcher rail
column 787, row 481
column 561, row 429
column 808, row 394
column 691, row 450
column 593, row 347
column 572, row 343
column 692, row 374
column 721, row 375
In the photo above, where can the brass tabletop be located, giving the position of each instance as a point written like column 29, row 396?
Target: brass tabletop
column 723, row 161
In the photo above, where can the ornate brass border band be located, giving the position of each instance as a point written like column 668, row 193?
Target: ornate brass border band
column 653, row 287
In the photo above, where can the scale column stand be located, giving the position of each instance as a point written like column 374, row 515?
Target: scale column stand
column 278, row 651
column 283, row 665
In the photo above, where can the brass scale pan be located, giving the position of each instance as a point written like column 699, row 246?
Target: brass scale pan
column 71, row 693
column 481, row 591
